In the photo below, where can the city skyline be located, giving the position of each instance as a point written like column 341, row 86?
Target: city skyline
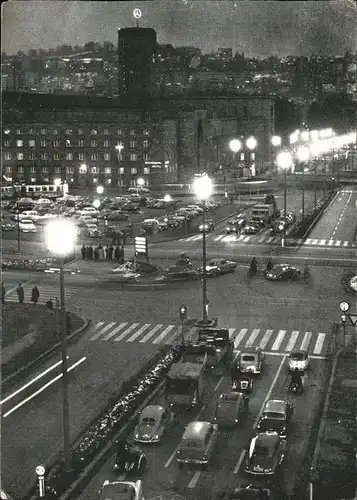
column 258, row 29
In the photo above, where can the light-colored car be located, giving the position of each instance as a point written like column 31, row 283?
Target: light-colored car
column 92, row 230
column 215, row 267
column 153, row 422
column 88, row 211
column 27, row 226
column 298, row 359
column 121, row 490
column 197, row 444
column 250, row 360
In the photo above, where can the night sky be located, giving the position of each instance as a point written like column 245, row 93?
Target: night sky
column 256, row 28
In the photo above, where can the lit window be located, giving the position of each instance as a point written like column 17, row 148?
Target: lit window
column 7, row 131
column 106, row 144
column 121, row 170
column 31, row 156
column 94, row 156
column 253, row 156
column 94, row 170
column 146, row 131
column 95, row 180
column 56, row 156
column 93, row 144
column 43, row 131
column 57, row 170
column 93, row 131
column 107, row 156
column 133, row 157
column 81, row 143
column 83, row 169
column 55, row 131
column 31, row 131
column 145, row 144
column 20, row 170
column 106, row 131
column 119, row 131
column 146, row 156
column 80, row 131
column 120, row 143
column 132, row 131
column 70, row 170
column 132, row 144
column 32, row 143
column 68, row 143
column 18, row 131
column 44, row 156
column 68, row 131
column 107, row 170
column 19, row 144
column 56, row 144
column 43, row 143
column 32, row 170
column 8, row 170
column 7, row 144
column 45, row 170
column 146, row 170
column 69, row 156
column 80, row 156
column 242, row 156
column 133, row 170
column 20, row 156
column 8, row 156
column 46, row 179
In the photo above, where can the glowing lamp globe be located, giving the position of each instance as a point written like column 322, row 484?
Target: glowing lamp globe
column 251, row 143
column 60, row 236
column 202, row 187
column 235, row 145
column 284, row 160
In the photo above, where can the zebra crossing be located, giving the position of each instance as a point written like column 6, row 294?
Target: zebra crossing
column 47, row 292
column 274, row 240
column 269, row 340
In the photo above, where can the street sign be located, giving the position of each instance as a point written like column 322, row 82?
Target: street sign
column 353, row 318
column 141, row 245
column 40, row 470
column 344, row 306
column 137, row 13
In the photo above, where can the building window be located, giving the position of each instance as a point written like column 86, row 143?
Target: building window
column 55, row 143
column 32, row 143
column 106, row 131
column 20, row 156
column 69, row 156
column 108, row 181
column 80, row 156
column 68, row 131
column 93, row 131
column 43, row 143
column 121, row 170
column 80, row 131
column 20, row 170
column 132, row 132
column 94, row 170
column 132, row 144
column 94, row 156
column 119, row 131
column 68, row 143
column 18, row 131
column 57, row 170
column 252, row 156
column 146, row 131
column 31, row 131
column 44, row 156
column 45, row 170
column 107, row 170
column 133, row 170
column 120, row 143
column 242, row 157
column 19, row 143
column 93, row 144
column 8, row 156
column 106, row 144
column 145, row 144
column 7, row 131
column 146, row 170
column 132, row 182
column 43, row 131
column 55, row 131
column 56, row 156
column 7, row 144
column 70, row 170
column 8, row 170
column 32, row 170
column 81, row 143
column 31, row 156
column 46, row 179
column 146, row 156
column 106, row 156
column 83, row 169
column 133, row 157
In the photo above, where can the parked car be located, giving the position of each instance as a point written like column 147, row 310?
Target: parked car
column 153, row 422
column 231, row 408
column 92, row 231
column 299, row 359
column 27, row 226
column 282, row 272
column 116, row 215
column 88, row 211
column 276, row 416
column 216, row 267
column 266, row 453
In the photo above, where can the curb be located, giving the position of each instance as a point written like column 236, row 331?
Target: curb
column 49, row 351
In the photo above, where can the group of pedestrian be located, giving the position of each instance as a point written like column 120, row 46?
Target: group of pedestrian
column 35, row 294
column 107, row 253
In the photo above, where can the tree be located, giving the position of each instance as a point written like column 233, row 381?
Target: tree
column 287, row 116
column 337, row 111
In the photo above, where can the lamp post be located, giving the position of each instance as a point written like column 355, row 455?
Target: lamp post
column 119, row 148
column 202, row 187
column 251, row 144
column 284, row 160
column 60, row 236
column 139, row 184
column 303, row 156
column 234, row 145
column 276, row 143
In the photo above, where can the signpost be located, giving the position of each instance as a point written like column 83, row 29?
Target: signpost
column 183, row 317
column 140, row 248
column 40, row 471
column 137, row 15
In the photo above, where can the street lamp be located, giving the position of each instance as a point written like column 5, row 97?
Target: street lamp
column 119, row 148
column 100, row 190
column 251, row 144
column 202, row 187
column 139, row 184
column 303, row 156
column 284, row 161
column 234, row 145
column 57, row 183
column 276, row 143
column 60, row 236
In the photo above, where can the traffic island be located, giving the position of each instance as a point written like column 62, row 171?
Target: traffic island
column 349, row 283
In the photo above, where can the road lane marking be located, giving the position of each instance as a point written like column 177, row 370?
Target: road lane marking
column 126, row 332
column 338, row 243
column 292, row 340
column 219, row 237
column 43, row 388
column 323, row 242
column 163, row 334
column 331, row 242
column 115, row 331
column 242, row 455
column 218, row 384
column 138, row 333
column 252, row 337
column 278, row 340
column 240, row 336
column 266, row 338
column 40, row 375
column 306, row 341
column 345, row 244
column 194, row 479
column 231, row 332
column 319, row 343
column 151, row 333
column 103, row 330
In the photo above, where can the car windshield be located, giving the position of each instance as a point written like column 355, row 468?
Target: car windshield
column 248, row 357
column 297, row 356
column 26, row 222
column 211, row 263
column 264, row 451
column 274, row 415
column 117, row 491
column 148, row 421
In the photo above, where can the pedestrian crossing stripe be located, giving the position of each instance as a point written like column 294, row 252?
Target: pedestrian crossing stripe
column 268, row 340
column 47, row 292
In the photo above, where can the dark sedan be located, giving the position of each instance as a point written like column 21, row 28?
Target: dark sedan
column 116, row 215
column 209, row 226
column 252, row 492
column 276, row 416
column 8, row 227
column 181, row 273
column 265, row 454
column 282, row 272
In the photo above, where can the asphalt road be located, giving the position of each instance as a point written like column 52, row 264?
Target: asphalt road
column 162, row 475
column 339, row 220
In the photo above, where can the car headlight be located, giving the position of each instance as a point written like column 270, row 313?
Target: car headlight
column 156, row 436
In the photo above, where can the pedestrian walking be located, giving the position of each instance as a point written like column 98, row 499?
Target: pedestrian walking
column 3, row 293
column 269, row 265
column 83, row 252
column 121, row 255
column 35, row 295
column 96, row 254
column 100, row 252
column 106, row 251
column 90, row 252
column 111, row 252
column 20, row 293
column 87, row 252
column 117, row 253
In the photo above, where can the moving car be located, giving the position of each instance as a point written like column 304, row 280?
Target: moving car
column 251, row 228
column 153, row 422
column 282, row 272
column 298, row 359
column 276, row 417
column 265, row 454
column 235, row 225
column 88, row 211
column 7, row 226
column 116, row 215
column 231, row 408
column 123, row 490
column 215, row 267
column 252, row 492
column 250, row 360
column 93, row 231
column 27, row 226
column 129, row 459
column 197, row 444
column 181, row 273
column 208, row 226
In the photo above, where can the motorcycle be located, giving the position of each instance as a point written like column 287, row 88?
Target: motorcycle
column 295, row 388
column 244, row 384
column 131, row 463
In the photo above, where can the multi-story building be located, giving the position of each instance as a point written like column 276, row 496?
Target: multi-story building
column 136, row 51
column 90, row 140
